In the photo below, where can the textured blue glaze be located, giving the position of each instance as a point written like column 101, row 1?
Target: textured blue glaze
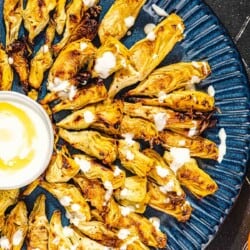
column 205, row 39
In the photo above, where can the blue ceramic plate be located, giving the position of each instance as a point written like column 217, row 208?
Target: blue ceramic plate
column 205, row 39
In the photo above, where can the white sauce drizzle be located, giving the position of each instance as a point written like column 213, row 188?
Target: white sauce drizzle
column 160, row 120
column 45, row 48
column 222, row 146
column 4, row 243
column 88, row 116
column 168, row 187
column 105, row 64
column 83, row 164
column 129, row 155
column 75, row 207
column 10, row 60
column 83, row 46
column 117, row 171
column 89, row 3
column 180, row 157
column 149, row 28
column 129, row 138
column 162, row 172
column 123, row 233
column 151, row 36
column 162, row 96
column 17, row 237
column 126, row 210
column 211, row 91
column 156, row 222
column 65, row 201
column 129, row 21
column 67, row 231
column 159, row 11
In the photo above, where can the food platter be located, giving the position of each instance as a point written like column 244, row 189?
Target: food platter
column 205, row 39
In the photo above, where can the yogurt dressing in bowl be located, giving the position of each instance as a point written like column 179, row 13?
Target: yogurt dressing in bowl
column 26, row 140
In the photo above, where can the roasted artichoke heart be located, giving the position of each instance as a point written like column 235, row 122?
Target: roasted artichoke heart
column 163, row 118
column 76, row 54
column 38, row 230
column 186, row 100
column 71, row 199
column 162, row 174
column 18, row 52
column 169, row 203
column 139, row 128
column 195, row 179
column 133, row 193
column 92, row 190
column 172, row 77
column 92, row 93
column 91, row 169
column 146, row 54
column 110, row 57
column 6, row 73
column 42, row 60
column 119, row 18
column 74, row 14
column 60, row 16
column 36, row 16
column 67, row 237
column 133, row 159
column 7, row 198
column 12, row 13
column 105, row 116
column 62, row 167
column 16, row 226
column 92, row 143
column 198, row 146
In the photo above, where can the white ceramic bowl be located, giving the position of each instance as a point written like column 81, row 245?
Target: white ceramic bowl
column 42, row 140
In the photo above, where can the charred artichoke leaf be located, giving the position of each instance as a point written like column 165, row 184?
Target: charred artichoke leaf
column 98, row 231
column 162, row 174
column 133, row 159
column 6, row 73
column 110, row 57
column 76, row 54
column 18, row 52
column 92, row 93
column 7, row 198
column 92, row 190
column 164, row 118
column 119, row 19
column 62, row 167
column 148, row 233
column 12, row 13
column 182, row 100
column 87, row 27
column 139, row 128
column 68, row 237
column 133, row 193
column 38, row 225
column 77, row 208
column 36, row 16
column 16, row 226
column 197, row 146
column 105, row 116
column 146, row 54
column 168, row 203
column 92, row 169
column 74, row 13
column 191, row 176
column 92, row 143
column 60, row 16
column 43, row 59
column 172, row 77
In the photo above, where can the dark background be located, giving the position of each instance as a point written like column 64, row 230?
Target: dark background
column 234, row 231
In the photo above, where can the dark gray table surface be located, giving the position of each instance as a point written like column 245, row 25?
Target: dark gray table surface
column 235, row 16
